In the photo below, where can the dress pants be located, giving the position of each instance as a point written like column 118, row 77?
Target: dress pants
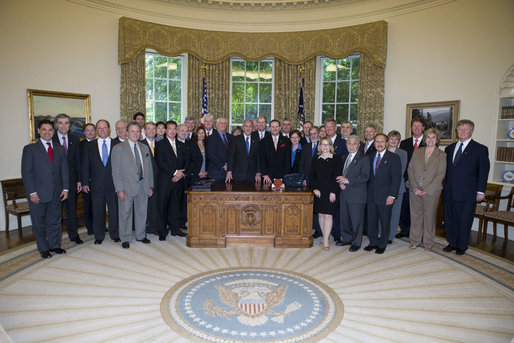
column 405, row 219
column 99, row 201
column 395, row 216
column 423, row 217
column 70, row 204
column 137, row 205
column 376, row 214
column 352, row 222
column 152, row 216
column 171, row 201
column 46, row 223
column 88, row 212
column 458, row 219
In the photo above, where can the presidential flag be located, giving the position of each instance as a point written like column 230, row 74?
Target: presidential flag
column 204, row 101
column 301, row 111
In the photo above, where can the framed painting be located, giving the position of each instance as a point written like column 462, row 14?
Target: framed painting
column 47, row 104
column 441, row 115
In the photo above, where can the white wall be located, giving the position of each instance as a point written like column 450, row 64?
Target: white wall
column 459, row 50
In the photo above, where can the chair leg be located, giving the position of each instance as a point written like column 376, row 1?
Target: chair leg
column 494, row 231
column 20, row 233
column 484, row 229
column 505, row 232
column 6, row 222
column 480, row 228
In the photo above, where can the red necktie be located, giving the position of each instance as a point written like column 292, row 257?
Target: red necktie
column 416, row 144
column 50, row 152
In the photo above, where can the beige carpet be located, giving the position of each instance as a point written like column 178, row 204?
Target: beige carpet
column 108, row 294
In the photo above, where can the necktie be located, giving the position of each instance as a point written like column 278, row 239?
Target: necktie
column 261, row 135
column 346, row 164
column 275, row 142
column 366, row 147
column 225, row 141
column 64, row 144
column 314, row 149
column 152, row 148
column 248, row 145
column 139, row 166
column 416, row 144
column 174, row 147
column 459, row 152
column 105, row 153
column 50, row 152
column 377, row 163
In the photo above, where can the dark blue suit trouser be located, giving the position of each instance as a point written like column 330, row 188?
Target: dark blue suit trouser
column 458, row 220
column 46, row 223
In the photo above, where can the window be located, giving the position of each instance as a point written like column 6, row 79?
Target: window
column 251, row 90
column 340, row 89
column 166, row 87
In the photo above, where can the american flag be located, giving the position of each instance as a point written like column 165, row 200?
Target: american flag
column 204, row 100
column 301, row 111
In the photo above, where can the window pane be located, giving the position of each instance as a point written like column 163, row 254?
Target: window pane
column 329, row 90
column 175, row 68
column 161, row 66
column 149, row 90
column 149, row 65
column 265, row 110
column 329, row 70
column 353, row 113
column 238, row 92
column 251, row 111
column 327, row 112
column 175, row 90
column 355, row 92
column 266, row 71
column 161, row 111
column 252, row 71
column 237, row 113
column 161, row 90
column 343, row 69
column 265, row 92
column 149, row 111
column 356, row 67
column 251, row 92
column 238, row 71
column 341, row 113
column 175, row 112
column 343, row 91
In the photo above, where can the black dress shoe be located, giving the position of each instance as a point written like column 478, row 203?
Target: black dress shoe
column 370, row 247
column 180, row 234
column 77, row 240
column 342, row 244
column 90, row 233
column 117, row 240
column 389, row 242
column 337, row 239
column 58, row 251
column 125, row 245
column 400, row 235
column 380, row 250
column 162, row 237
column 45, row 254
column 144, row 240
column 316, row 235
column 448, row 248
column 354, row 248
column 460, row 252
column 98, row 241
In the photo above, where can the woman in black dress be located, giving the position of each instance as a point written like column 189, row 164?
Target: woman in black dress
column 325, row 167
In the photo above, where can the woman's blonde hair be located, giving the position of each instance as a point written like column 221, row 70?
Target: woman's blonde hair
column 326, row 139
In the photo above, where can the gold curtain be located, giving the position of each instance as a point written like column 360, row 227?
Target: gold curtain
column 216, row 46
column 132, row 89
column 371, row 95
column 217, row 77
column 287, row 89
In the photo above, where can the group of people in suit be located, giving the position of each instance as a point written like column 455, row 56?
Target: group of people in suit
column 361, row 188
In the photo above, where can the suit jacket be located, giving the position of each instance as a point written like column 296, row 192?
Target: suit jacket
column 40, row 175
column 469, row 175
column 169, row 163
column 403, row 159
column 217, row 155
column 306, row 161
column 117, row 140
column 295, row 168
column 303, row 141
column 371, row 149
column 243, row 165
column 93, row 172
column 386, row 182
column 73, row 158
column 256, row 134
column 358, row 176
column 124, row 170
column 340, row 146
column 155, row 169
column 431, row 172
column 273, row 163
column 408, row 146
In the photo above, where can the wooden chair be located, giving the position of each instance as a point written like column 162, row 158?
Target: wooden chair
column 12, row 190
column 491, row 203
column 501, row 217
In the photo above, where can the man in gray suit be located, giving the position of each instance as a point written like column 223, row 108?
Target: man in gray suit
column 133, row 181
column 44, row 169
column 353, row 184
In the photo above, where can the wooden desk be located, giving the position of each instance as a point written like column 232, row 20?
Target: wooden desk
column 245, row 213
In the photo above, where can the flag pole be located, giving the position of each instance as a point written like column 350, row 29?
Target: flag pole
column 301, row 108
column 204, row 93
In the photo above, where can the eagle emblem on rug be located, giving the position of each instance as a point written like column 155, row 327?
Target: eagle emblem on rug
column 252, row 300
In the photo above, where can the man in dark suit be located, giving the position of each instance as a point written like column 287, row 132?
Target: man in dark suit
column 275, row 154
column 45, row 174
column 261, row 131
column 191, row 125
column 98, row 183
column 306, row 129
column 217, row 151
column 466, row 181
column 286, row 127
column 383, row 186
column 153, row 212
column 353, row 184
column 243, row 156
column 90, row 135
column 410, row 144
column 173, row 163
column 121, row 132
column 71, row 145
column 368, row 146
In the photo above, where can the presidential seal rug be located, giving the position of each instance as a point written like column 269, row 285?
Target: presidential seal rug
column 250, row 305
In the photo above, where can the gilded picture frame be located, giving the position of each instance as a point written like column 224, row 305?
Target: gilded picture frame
column 442, row 115
column 44, row 104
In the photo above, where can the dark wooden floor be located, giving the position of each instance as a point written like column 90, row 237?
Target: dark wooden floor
column 499, row 246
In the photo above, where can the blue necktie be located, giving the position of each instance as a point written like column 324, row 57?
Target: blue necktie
column 313, row 149
column 459, row 152
column 105, row 153
column 225, row 141
column 377, row 163
column 248, row 145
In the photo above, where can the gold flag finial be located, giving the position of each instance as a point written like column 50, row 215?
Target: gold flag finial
column 204, row 69
column 302, row 70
